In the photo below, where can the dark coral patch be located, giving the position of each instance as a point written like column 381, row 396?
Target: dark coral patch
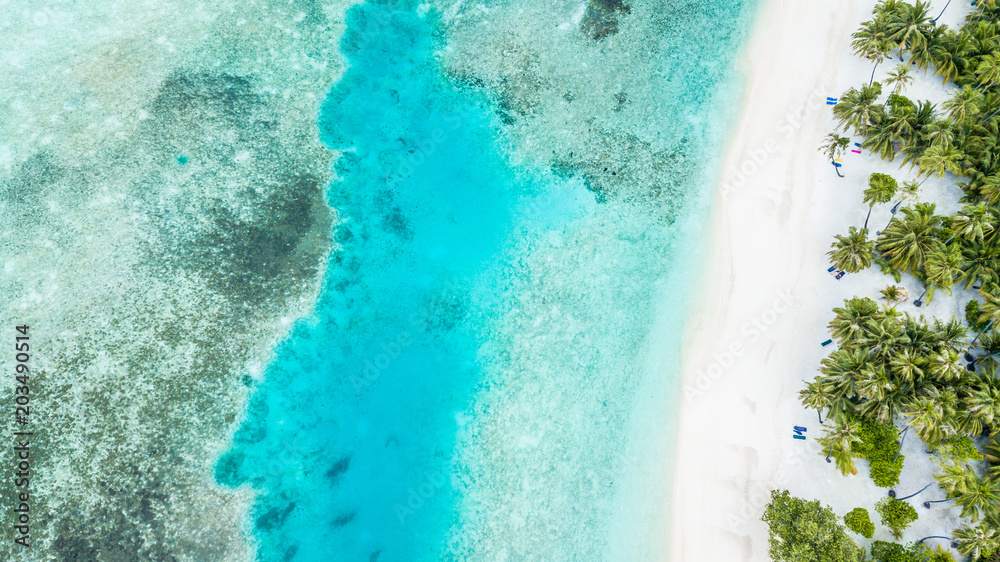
column 601, row 18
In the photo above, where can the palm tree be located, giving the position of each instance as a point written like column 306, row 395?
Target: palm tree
column 925, row 416
column 911, row 26
column 982, row 262
column 946, row 365
column 991, row 454
column 922, row 56
column 944, row 265
column 950, row 478
column 885, row 336
column 882, row 138
column 881, row 189
column 842, row 370
column 988, row 71
column 903, row 123
column 905, row 243
column 950, row 335
column 853, row 252
column 982, row 405
column 833, row 146
column 883, row 397
column 860, row 109
column 978, row 543
column 990, row 189
column 964, row 106
column 818, row 396
column 977, row 495
column 872, row 41
column 939, row 159
column 989, row 309
column 939, row 554
column 975, row 222
column 908, row 189
column 907, row 365
column 894, row 294
column 899, row 78
column 950, row 54
column 840, row 441
column 940, row 132
column 852, row 321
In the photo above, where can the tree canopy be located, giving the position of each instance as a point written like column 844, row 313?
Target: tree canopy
column 805, row 531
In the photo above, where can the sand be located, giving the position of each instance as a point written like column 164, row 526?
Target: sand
column 754, row 330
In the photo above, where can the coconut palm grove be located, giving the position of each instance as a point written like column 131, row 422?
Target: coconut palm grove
column 893, row 373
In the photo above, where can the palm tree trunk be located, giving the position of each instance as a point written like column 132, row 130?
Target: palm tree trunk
column 928, row 504
column 915, row 493
column 868, row 217
column 901, row 441
column 972, row 344
column 872, row 81
column 942, row 12
column 921, row 541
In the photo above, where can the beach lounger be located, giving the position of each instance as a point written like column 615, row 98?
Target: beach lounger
column 802, row 437
column 826, row 343
column 841, row 274
column 799, row 429
column 832, row 267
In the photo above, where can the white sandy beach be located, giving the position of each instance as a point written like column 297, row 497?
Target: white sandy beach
column 755, row 326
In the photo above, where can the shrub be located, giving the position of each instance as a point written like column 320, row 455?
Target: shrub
column 890, row 552
column 879, row 443
column 972, row 316
column 896, row 515
column 885, row 474
column 805, row 531
column 859, row 521
column 958, row 449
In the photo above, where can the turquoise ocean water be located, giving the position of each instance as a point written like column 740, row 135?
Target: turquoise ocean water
column 491, row 343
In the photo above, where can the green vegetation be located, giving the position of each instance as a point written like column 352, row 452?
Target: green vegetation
column 978, row 543
column 805, row 531
column 894, row 294
column 879, row 444
column 977, row 495
column 958, row 449
column 937, row 554
column 881, row 189
column 859, row 521
column 891, row 552
column 972, row 314
column 896, row 515
column 937, row 377
column 853, row 252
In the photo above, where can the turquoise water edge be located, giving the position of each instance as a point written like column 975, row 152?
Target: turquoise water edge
column 478, row 379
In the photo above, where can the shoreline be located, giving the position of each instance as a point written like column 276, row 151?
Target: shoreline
column 748, row 336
